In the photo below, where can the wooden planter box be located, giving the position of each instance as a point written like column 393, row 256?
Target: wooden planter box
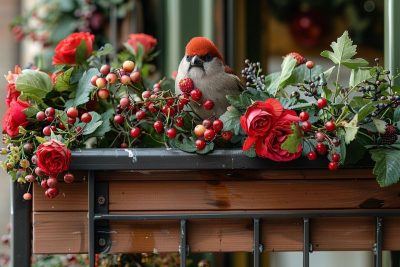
column 157, row 181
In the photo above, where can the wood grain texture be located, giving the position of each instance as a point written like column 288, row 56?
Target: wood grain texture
column 65, row 232
column 250, row 195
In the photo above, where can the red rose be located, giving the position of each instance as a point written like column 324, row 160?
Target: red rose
column 270, row 146
column 147, row 41
column 15, row 117
column 65, row 51
column 12, row 93
column 259, row 118
column 53, row 157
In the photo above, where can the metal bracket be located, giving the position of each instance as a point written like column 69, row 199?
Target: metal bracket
column 183, row 247
column 307, row 247
column 257, row 246
column 102, row 228
column 377, row 248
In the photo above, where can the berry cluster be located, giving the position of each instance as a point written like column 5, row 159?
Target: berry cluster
column 189, row 91
column 208, row 131
column 253, row 76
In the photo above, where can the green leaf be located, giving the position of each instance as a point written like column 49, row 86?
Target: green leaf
column 327, row 74
column 40, row 139
column 343, row 51
column 396, row 115
column 92, row 125
column 35, row 84
column 81, row 52
column 187, row 144
column 63, row 81
column 106, row 50
column 105, row 127
column 380, row 125
column 251, row 152
column 231, row 120
column 359, row 75
column 351, row 129
column 366, row 110
column 293, row 141
column 275, row 84
column 84, row 87
column 31, row 112
column 357, row 148
column 241, row 101
column 209, row 147
column 386, row 167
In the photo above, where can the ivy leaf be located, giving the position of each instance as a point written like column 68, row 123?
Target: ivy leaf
column 105, row 127
column 92, row 125
column 386, row 167
column 359, row 75
column 81, row 52
column 293, row 141
column 63, row 81
column 35, row 84
column 380, row 125
column 343, row 51
column 84, row 88
column 187, row 144
column 351, row 129
column 231, row 120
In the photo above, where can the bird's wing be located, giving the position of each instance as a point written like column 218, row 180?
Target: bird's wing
column 232, row 73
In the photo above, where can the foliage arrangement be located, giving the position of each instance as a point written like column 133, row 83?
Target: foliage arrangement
column 301, row 110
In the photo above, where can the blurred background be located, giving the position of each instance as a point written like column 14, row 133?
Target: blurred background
column 261, row 30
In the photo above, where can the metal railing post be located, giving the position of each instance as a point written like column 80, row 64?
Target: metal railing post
column 91, row 221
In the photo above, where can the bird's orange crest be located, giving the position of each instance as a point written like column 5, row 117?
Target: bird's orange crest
column 202, row 46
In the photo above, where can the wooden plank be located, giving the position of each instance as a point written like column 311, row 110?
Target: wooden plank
column 250, row 195
column 65, row 232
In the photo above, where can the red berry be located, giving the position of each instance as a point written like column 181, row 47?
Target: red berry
column 218, row 125
column 52, row 192
column 71, row 120
column 330, row 126
column 86, row 117
column 123, row 145
column 312, row 155
column 50, row 112
column 304, row 116
column 332, row 166
column 125, row 79
column 156, row 86
column 93, row 80
column 101, row 83
column 78, row 129
column 61, row 126
column 196, row 94
column 209, row 134
column 152, row 108
column 200, row 144
column 27, row 196
column 40, row 116
column 306, row 126
column 53, row 128
column 206, row 123
column 43, row 184
column 208, row 104
column 50, row 119
column 335, row 157
column 30, row 178
column 111, row 78
column 135, row 132
column 322, row 103
column 105, row 69
column 124, row 102
column 69, row 178
column 171, row 133
column 128, row 65
column 170, row 101
column 299, row 58
column 321, row 148
column 186, row 85
column 320, row 137
column 179, row 121
column 146, row 94
column 310, row 64
column 72, row 112
column 47, row 131
column 119, row 119
column 38, row 171
column 140, row 115
column 52, row 182
column 227, row 135
column 182, row 103
column 158, row 126
column 135, row 76
column 103, row 93
column 168, row 110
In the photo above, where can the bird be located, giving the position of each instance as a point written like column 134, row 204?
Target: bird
column 204, row 65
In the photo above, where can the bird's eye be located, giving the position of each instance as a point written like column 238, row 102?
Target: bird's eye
column 188, row 58
column 207, row 58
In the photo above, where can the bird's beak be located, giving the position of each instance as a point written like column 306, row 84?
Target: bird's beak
column 196, row 62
